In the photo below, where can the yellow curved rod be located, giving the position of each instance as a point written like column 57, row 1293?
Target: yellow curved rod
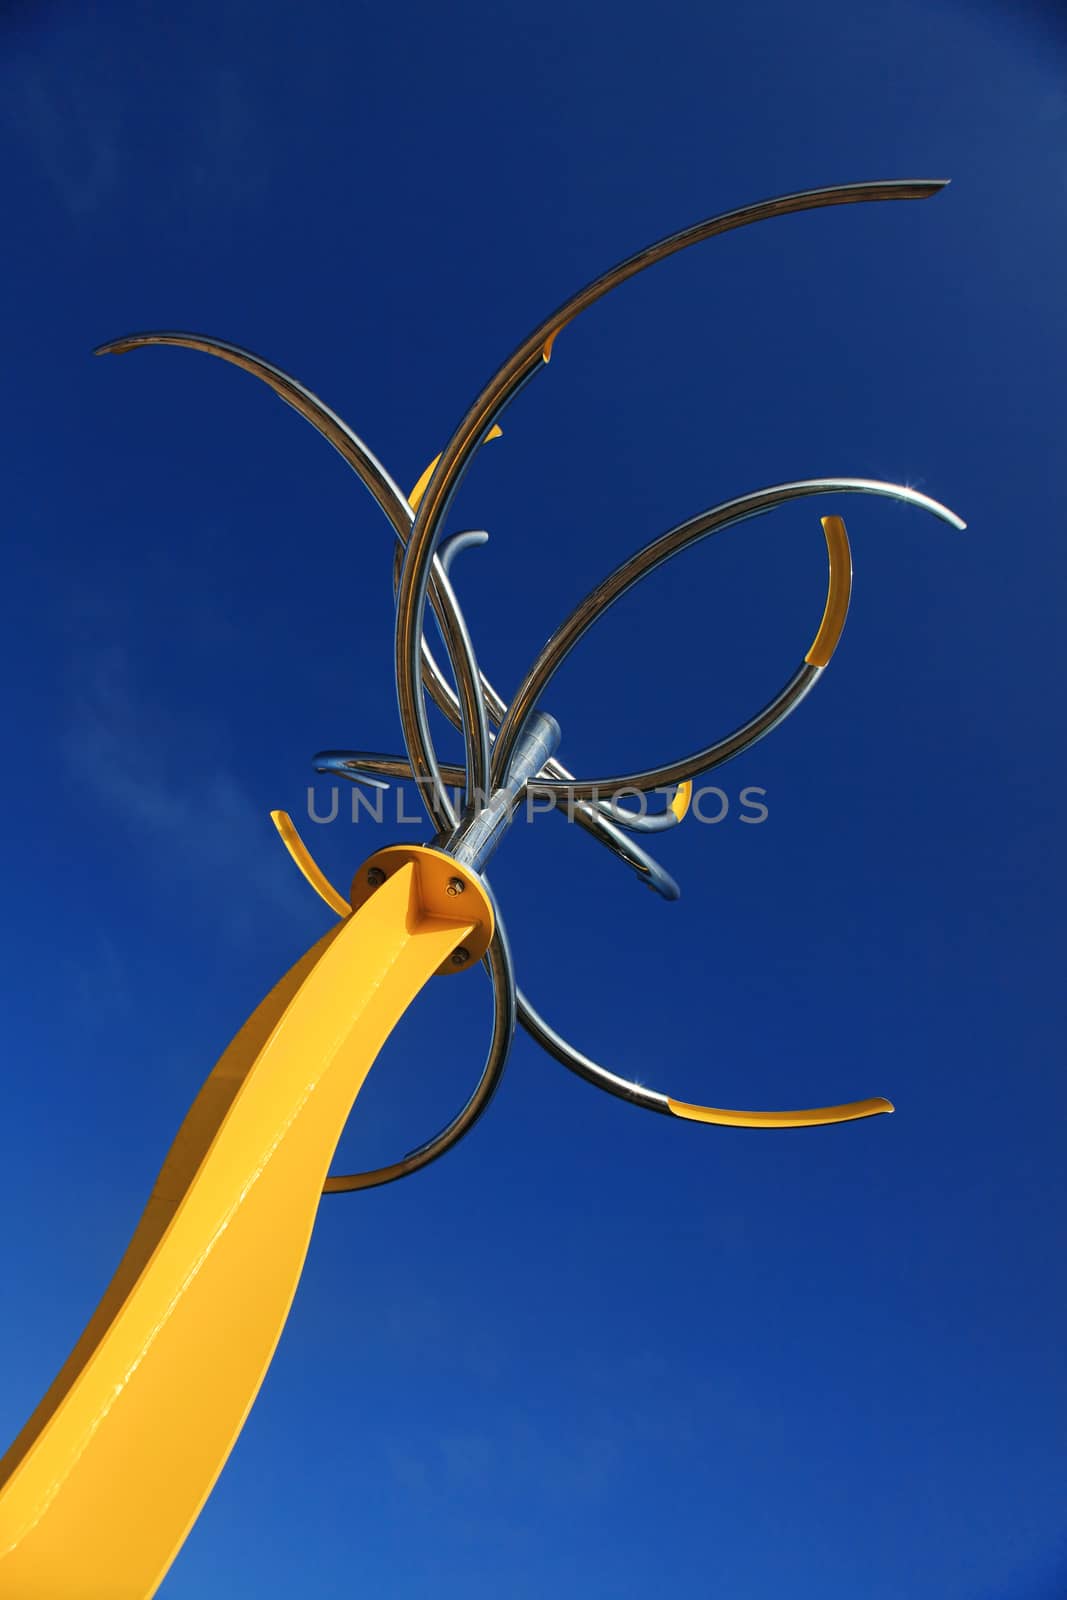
column 419, row 490
column 819, row 1117
column 101, row 1487
column 681, row 798
column 838, row 593
column 308, row 865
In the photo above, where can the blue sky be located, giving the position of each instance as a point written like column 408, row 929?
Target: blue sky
column 593, row 1352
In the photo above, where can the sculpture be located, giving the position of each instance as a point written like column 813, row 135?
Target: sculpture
column 104, row 1482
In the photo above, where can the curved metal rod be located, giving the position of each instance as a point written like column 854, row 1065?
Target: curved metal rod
column 359, row 766
column 634, row 822
column 359, row 457
column 455, row 544
column 501, row 971
column 448, row 548
column 815, row 1117
column 602, row 821
column 500, row 967
column 651, row 1100
column 389, row 497
column 467, row 709
column 468, row 713
column 651, row 821
column 506, row 383
column 645, row 561
column 427, row 473
column 307, row 865
column 838, row 593
column 618, row 841
column 507, row 1002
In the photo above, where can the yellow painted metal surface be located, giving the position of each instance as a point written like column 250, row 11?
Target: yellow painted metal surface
column 838, row 593
column 307, row 864
column 419, row 490
column 102, row 1485
column 436, row 873
column 681, row 799
column 420, row 487
column 819, row 1117
column 438, row 877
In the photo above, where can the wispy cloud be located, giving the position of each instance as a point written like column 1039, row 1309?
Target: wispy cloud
column 142, row 766
column 225, row 147
column 100, row 984
column 460, row 1468
column 82, row 126
column 73, row 135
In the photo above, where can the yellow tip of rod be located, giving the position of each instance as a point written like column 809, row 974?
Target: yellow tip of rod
column 681, row 800
column 420, row 488
column 495, row 432
column 819, row 1117
column 308, row 865
column 838, row 594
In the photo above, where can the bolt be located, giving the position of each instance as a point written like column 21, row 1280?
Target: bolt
column 375, row 877
column 461, row 956
column 455, row 886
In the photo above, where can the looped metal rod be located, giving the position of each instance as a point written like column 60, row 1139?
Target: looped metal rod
column 639, row 1094
column 652, row 821
column 475, row 693
column 654, row 555
column 506, row 383
column 602, row 820
column 422, row 563
column 498, row 964
column 474, row 687
column 188, row 1324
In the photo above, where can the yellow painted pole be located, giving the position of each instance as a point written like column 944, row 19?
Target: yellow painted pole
column 101, row 1487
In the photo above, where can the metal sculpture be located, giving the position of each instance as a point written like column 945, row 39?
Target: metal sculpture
column 104, row 1482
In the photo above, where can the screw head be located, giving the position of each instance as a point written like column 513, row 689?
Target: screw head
column 375, row 877
column 461, row 956
column 455, row 886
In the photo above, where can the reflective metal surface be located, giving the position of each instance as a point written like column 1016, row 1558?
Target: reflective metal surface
column 507, row 382
column 637, row 567
column 422, row 570
column 469, row 707
column 485, row 819
column 501, row 971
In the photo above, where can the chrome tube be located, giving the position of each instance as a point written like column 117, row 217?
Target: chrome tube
column 524, row 748
column 638, row 821
column 483, row 826
column 638, row 566
column 467, row 709
column 599, row 821
column 360, row 766
column 365, row 766
column 618, row 841
column 508, row 381
column 584, row 1066
column 501, row 971
column 358, row 455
